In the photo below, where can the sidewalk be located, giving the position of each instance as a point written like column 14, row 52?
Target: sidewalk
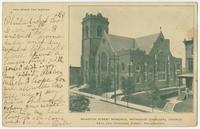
column 119, row 97
column 118, row 102
column 169, row 107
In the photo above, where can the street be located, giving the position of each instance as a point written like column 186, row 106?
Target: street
column 98, row 106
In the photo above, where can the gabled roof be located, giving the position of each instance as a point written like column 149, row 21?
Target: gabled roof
column 120, row 43
column 146, row 43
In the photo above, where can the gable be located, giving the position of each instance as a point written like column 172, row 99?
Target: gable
column 105, row 45
column 146, row 43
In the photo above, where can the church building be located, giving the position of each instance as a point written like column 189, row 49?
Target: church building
column 143, row 59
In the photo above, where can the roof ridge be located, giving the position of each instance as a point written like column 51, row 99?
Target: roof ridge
column 148, row 35
column 135, row 37
column 109, row 42
column 121, row 36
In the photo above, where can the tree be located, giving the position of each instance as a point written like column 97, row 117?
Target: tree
column 154, row 93
column 128, row 87
column 79, row 103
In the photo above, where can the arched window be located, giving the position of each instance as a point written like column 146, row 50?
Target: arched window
column 104, row 62
column 123, row 66
column 162, row 63
column 191, row 50
column 150, row 73
column 137, row 67
column 99, row 31
column 86, row 32
column 171, row 71
column 86, row 65
column 138, row 79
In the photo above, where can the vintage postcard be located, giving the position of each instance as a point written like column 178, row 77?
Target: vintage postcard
column 100, row 64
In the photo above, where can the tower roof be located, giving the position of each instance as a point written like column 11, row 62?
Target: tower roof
column 188, row 41
column 98, row 17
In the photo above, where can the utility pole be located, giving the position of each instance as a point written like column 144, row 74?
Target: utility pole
column 129, row 67
column 131, row 59
column 115, row 59
column 114, row 79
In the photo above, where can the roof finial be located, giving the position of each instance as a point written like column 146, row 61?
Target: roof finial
column 160, row 29
column 99, row 14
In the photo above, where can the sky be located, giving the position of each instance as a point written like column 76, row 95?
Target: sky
column 177, row 23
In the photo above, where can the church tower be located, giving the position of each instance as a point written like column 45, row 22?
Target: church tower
column 93, row 27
